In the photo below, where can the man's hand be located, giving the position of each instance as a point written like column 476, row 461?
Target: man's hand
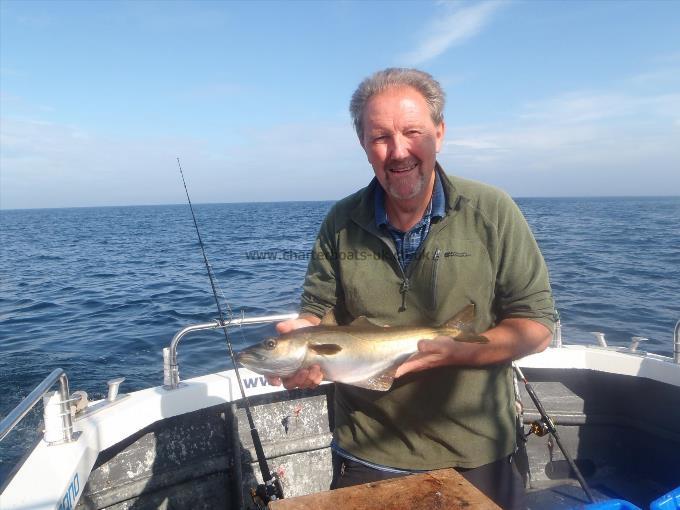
column 509, row 340
column 293, row 324
column 433, row 353
column 306, row 377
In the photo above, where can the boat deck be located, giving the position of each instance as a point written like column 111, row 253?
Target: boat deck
column 625, row 448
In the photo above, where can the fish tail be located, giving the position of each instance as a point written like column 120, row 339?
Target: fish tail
column 462, row 320
column 461, row 327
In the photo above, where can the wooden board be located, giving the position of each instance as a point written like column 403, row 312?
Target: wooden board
column 441, row 489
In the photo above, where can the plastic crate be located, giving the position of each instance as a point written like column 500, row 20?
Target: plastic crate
column 669, row 501
column 613, row 504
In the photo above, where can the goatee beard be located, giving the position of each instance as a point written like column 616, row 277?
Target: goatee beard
column 416, row 189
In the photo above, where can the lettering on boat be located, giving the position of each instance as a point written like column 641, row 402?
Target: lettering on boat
column 252, row 382
column 69, row 499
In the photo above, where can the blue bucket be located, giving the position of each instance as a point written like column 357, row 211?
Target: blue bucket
column 669, row 501
column 613, row 504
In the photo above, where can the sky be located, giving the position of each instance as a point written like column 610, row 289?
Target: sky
column 544, row 98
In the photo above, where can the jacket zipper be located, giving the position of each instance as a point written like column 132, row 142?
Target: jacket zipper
column 405, row 285
column 403, row 289
column 433, row 282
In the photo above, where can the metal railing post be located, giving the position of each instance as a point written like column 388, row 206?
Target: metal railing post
column 676, row 343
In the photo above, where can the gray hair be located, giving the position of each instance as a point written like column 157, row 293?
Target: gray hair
column 380, row 81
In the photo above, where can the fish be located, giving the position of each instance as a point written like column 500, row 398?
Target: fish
column 361, row 354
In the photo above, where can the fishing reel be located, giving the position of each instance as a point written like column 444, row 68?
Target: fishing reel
column 538, row 427
column 266, row 492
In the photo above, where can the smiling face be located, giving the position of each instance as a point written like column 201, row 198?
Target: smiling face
column 401, row 142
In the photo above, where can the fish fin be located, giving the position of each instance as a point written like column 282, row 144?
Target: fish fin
column 463, row 320
column 378, row 382
column 329, row 318
column 472, row 339
column 363, row 321
column 325, row 349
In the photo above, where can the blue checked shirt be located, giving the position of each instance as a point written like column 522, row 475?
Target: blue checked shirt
column 407, row 243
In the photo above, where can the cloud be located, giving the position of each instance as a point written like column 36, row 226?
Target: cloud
column 473, row 143
column 667, row 76
column 456, row 26
column 580, row 143
column 592, row 142
column 671, row 75
column 577, row 143
column 664, row 73
column 48, row 164
column 580, row 107
column 665, row 58
column 18, row 105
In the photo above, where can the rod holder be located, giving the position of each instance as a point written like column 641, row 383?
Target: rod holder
column 599, row 336
column 635, row 343
column 114, row 385
column 557, row 336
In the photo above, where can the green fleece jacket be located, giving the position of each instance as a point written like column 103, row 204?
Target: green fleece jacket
column 482, row 252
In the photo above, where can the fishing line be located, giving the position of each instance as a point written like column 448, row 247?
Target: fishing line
column 272, row 489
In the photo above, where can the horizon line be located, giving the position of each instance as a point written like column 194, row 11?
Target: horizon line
column 555, row 197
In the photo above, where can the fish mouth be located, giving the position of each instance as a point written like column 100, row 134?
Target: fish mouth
column 265, row 365
column 245, row 357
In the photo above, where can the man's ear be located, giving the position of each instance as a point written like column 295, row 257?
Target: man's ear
column 363, row 146
column 440, row 131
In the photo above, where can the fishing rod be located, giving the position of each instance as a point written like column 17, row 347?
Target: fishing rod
column 547, row 425
column 271, row 489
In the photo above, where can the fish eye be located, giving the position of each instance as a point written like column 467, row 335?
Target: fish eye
column 270, row 344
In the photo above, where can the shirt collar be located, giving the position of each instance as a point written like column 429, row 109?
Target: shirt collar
column 379, row 204
column 435, row 209
column 438, row 198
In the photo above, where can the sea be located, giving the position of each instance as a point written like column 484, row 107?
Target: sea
column 100, row 291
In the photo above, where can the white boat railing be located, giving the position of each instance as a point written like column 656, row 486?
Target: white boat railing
column 19, row 412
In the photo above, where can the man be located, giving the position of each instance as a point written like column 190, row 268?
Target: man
column 415, row 247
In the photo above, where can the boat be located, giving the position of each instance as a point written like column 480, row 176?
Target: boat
column 187, row 443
